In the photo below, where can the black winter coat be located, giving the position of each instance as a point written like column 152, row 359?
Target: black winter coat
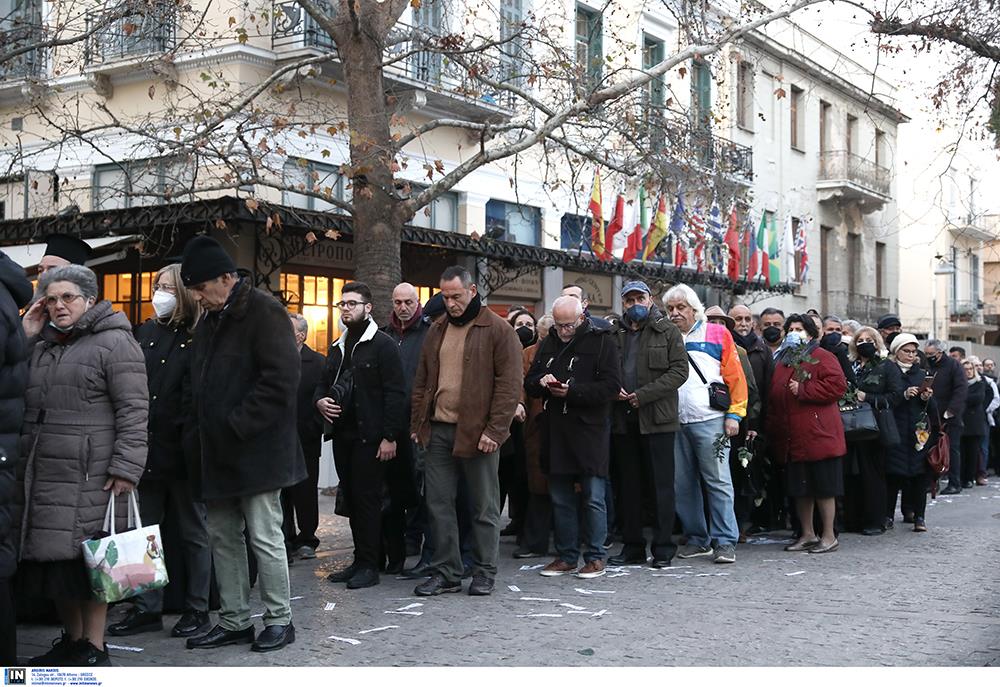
column 410, row 343
column 15, row 293
column 950, row 387
column 762, row 364
column 576, row 430
column 974, row 419
column 245, row 375
column 310, row 422
column 379, row 399
column 167, row 351
column 904, row 459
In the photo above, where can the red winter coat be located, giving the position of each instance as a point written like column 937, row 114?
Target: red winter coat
column 807, row 427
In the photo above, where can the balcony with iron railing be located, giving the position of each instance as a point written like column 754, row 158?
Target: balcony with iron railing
column 968, row 313
column 691, row 147
column 845, row 176
column 863, row 307
column 30, row 64
column 150, row 31
column 442, row 82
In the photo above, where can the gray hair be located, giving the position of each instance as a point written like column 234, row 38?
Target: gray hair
column 853, row 325
column 936, row 343
column 301, row 323
column 83, row 277
column 572, row 301
column 833, row 318
column 685, row 292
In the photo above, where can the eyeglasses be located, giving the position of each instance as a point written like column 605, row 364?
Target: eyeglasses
column 169, row 288
column 567, row 327
column 66, row 299
column 349, row 305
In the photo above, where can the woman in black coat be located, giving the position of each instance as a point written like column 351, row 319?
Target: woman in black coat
column 878, row 383
column 974, row 424
column 906, row 462
column 165, row 488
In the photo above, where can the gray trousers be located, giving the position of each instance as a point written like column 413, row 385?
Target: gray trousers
column 442, row 470
column 261, row 515
column 157, row 497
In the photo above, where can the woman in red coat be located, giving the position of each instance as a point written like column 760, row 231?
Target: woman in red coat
column 805, row 430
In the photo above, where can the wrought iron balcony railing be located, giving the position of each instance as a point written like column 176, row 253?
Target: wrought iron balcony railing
column 152, row 29
column 26, row 65
column 862, row 307
column 842, row 165
column 696, row 146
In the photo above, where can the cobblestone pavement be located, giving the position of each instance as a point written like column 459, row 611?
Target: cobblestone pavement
column 902, row 599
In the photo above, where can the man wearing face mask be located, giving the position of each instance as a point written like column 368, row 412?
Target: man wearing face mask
column 771, row 322
column 654, row 367
column 362, row 395
column 950, row 389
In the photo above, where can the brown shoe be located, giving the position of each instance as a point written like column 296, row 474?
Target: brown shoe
column 593, row 568
column 982, row 481
column 556, row 568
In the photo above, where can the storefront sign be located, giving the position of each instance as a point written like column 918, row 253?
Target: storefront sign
column 527, row 287
column 331, row 254
column 599, row 287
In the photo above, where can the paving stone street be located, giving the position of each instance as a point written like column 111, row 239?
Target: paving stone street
column 902, row 599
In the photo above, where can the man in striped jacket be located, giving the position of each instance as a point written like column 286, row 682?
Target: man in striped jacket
column 701, row 448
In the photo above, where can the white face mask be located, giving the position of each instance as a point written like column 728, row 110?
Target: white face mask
column 164, row 303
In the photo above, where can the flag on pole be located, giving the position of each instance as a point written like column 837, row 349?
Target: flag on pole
column 753, row 256
column 800, row 245
column 715, row 237
column 633, row 248
column 760, row 265
column 773, row 255
column 788, row 249
column 733, row 243
column 597, row 220
column 615, row 226
column 677, row 229
column 657, row 230
column 697, row 223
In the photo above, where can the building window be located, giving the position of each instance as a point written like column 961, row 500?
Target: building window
column 442, row 213
column 306, row 175
column 589, row 48
column 953, row 291
column 429, row 17
column 796, row 225
column 974, row 291
column 512, row 56
column 130, row 293
column 796, row 133
column 880, row 148
column 824, row 125
column 744, row 94
column 853, row 263
column 513, row 222
column 142, row 182
column 652, row 55
column 701, row 94
column 852, row 134
column 574, row 232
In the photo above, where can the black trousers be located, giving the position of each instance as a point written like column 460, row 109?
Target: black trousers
column 301, row 507
column 8, row 624
column 537, row 524
column 914, row 498
column 864, row 486
column 972, row 448
column 362, row 475
column 513, row 474
column 954, row 454
column 639, row 460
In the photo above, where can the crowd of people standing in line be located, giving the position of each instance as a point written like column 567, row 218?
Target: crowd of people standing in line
column 673, row 429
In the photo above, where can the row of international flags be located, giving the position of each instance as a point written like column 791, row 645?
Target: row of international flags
column 700, row 241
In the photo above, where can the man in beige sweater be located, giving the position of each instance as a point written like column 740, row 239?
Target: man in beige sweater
column 467, row 388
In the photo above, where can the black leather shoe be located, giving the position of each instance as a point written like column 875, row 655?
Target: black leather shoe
column 481, row 585
column 217, row 637
column 968, row 484
column 872, row 531
column 949, row 490
column 274, row 637
column 364, row 577
column 418, row 572
column 437, row 585
column 394, row 567
column 136, row 622
column 660, row 563
column 86, row 655
column 191, row 624
column 343, row 575
column 627, row 557
column 528, row 553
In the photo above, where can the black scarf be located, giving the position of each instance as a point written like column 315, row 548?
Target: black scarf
column 747, row 341
column 471, row 312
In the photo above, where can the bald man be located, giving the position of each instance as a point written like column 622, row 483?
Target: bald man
column 408, row 327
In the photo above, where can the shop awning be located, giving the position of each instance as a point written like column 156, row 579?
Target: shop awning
column 28, row 255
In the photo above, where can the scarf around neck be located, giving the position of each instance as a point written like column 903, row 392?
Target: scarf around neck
column 471, row 312
column 399, row 326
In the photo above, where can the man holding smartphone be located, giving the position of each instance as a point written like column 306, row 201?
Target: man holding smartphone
column 577, row 373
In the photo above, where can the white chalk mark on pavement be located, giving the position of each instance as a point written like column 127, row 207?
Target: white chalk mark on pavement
column 541, row 615
column 532, row 567
column 513, row 588
column 330, row 606
column 575, row 608
column 599, row 613
column 409, row 607
column 594, row 591
column 406, row 612
column 133, row 649
column 379, row 629
column 346, row 640
column 536, row 598
column 797, row 572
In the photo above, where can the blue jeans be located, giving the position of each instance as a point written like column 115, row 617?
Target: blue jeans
column 984, row 456
column 566, row 519
column 695, row 461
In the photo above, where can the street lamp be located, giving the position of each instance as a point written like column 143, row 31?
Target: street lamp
column 943, row 268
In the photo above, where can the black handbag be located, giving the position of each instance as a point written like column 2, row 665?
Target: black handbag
column 859, row 422
column 888, row 432
column 718, row 392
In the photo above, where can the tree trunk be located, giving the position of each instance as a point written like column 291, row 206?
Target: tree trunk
column 378, row 220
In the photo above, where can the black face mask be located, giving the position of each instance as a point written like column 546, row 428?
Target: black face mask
column 830, row 341
column 772, row 334
column 866, row 350
column 527, row 336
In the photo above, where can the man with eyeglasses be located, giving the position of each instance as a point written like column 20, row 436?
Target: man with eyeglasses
column 362, row 397
column 577, row 373
column 245, row 376
column 466, row 391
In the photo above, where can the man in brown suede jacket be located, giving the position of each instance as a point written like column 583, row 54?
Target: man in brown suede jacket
column 467, row 388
